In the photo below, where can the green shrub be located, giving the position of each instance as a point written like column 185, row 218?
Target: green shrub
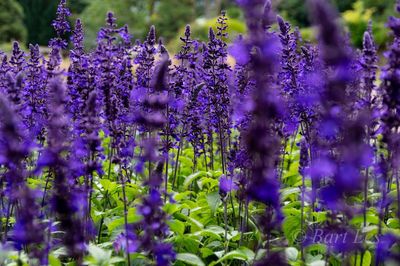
column 134, row 13
column 201, row 27
column 11, row 21
column 39, row 15
column 171, row 15
column 297, row 11
column 356, row 20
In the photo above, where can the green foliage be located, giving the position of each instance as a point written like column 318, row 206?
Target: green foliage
column 39, row 15
column 134, row 13
column 297, row 11
column 197, row 224
column 201, row 27
column 171, row 15
column 77, row 6
column 356, row 20
column 382, row 9
column 11, row 21
column 189, row 259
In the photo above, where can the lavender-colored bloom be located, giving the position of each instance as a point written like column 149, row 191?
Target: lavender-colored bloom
column 263, row 143
column 304, row 157
column 155, row 102
column 80, row 74
column 217, row 104
column 186, row 103
column 226, row 185
column 383, row 248
column 68, row 201
column 15, row 149
column 34, row 94
column 4, row 69
column 288, row 75
column 153, row 223
column 145, row 60
column 14, row 89
column 122, row 242
column 390, row 99
column 61, row 24
column 340, row 152
column 57, row 44
column 87, row 155
column 29, row 229
column 17, row 59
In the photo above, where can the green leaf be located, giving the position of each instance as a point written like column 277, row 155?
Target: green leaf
column 54, row 261
column 186, row 162
column 371, row 218
column 206, row 252
column 171, row 208
column 209, row 233
column 393, row 223
column 177, row 226
column 198, row 225
column 217, row 173
column 291, row 228
column 100, row 256
column 216, row 229
column 286, row 192
column 213, row 199
column 187, row 243
column 367, row 259
column 291, row 253
column 242, row 253
column 116, row 260
column 320, row 216
column 133, row 217
column 249, row 253
column 209, row 182
column 317, row 263
column 190, row 179
column 190, row 259
column 108, row 185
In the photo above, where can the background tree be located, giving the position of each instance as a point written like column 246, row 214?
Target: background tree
column 134, row 13
column 296, row 10
column 39, row 15
column 172, row 15
column 11, row 21
column 77, row 6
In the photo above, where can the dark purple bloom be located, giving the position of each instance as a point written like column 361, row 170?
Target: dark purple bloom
column 34, row 94
column 68, row 200
column 61, row 24
column 383, row 248
column 262, row 139
column 17, row 59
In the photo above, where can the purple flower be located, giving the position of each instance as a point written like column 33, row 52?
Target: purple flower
column 122, row 242
column 17, row 59
column 61, row 24
column 67, row 198
column 383, row 248
column 226, row 185
column 261, row 138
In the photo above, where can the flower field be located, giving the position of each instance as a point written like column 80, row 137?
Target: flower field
column 130, row 155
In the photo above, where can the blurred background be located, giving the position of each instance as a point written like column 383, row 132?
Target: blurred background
column 29, row 21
